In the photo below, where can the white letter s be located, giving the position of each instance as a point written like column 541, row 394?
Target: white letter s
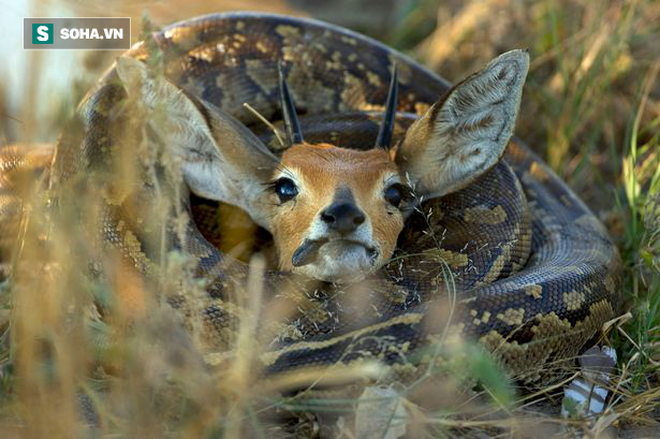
column 43, row 33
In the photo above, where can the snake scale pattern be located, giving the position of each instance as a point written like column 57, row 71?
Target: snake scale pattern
column 534, row 272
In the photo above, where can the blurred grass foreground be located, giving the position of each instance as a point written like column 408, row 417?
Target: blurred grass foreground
column 591, row 108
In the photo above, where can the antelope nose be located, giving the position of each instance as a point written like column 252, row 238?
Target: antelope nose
column 343, row 217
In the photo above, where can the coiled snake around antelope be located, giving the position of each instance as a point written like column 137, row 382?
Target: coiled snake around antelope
column 535, row 273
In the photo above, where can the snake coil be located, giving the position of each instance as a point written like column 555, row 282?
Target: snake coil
column 535, row 272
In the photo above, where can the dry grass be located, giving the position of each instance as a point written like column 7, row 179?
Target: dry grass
column 591, row 108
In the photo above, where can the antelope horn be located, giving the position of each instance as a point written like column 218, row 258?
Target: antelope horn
column 387, row 127
column 291, row 124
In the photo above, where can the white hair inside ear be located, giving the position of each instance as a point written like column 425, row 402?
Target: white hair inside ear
column 465, row 133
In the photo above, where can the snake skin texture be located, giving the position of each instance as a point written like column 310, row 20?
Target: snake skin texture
column 515, row 261
column 18, row 164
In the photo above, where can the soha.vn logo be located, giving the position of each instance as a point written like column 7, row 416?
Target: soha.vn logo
column 42, row 33
column 76, row 33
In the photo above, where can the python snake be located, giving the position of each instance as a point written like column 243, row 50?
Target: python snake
column 534, row 271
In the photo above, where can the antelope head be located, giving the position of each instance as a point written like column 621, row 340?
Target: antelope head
column 335, row 213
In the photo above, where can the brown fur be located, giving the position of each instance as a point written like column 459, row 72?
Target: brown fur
column 324, row 168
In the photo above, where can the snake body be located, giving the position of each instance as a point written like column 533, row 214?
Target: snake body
column 534, row 272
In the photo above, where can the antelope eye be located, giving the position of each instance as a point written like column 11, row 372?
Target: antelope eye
column 285, row 189
column 394, row 194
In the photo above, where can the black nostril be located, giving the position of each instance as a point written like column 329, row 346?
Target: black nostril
column 343, row 217
column 327, row 217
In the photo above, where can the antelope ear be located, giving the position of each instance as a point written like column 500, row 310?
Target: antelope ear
column 465, row 133
column 220, row 158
